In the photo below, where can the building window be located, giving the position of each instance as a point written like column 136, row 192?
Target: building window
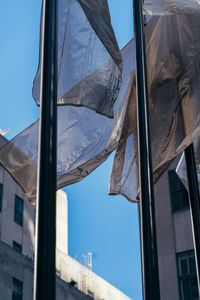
column 17, row 247
column 18, row 215
column 187, row 276
column 91, row 294
column 1, row 196
column 178, row 193
column 17, row 289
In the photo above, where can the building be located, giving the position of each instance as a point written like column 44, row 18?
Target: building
column 177, row 269
column 17, row 218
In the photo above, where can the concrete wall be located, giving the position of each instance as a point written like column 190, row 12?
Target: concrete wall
column 9, row 230
column 86, row 281
column 13, row 264
column 166, row 242
column 183, row 231
column 16, row 265
column 24, row 235
column 20, row 266
column 62, row 222
column 174, row 235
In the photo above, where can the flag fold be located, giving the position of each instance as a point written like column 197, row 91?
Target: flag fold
column 89, row 60
column 181, row 167
column 85, row 138
column 173, row 64
column 171, row 7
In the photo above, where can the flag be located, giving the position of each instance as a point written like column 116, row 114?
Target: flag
column 181, row 167
column 89, row 60
column 85, row 138
column 170, row 7
column 173, row 64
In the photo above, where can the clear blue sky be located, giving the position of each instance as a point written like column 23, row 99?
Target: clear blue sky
column 104, row 225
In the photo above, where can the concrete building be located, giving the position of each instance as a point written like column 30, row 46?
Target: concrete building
column 177, row 269
column 17, row 216
column 74, row 281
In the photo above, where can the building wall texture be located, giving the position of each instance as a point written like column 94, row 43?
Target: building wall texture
column 174, row 235
column 20, row 267
column 74, row 281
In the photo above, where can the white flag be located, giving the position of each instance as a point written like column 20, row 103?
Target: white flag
column 89, row 61
column 85, row 138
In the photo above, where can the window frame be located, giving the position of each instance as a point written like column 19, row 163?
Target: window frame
column 172, row 191
column 187, row 254
column 15, row 295
column 18, row 216
column 17, row 247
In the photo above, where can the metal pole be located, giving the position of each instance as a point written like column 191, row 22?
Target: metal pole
column 194, row 200
column 151, row 289
column 44, row 275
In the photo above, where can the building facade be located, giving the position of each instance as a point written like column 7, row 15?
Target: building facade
column 177, row 269
column 17, row 230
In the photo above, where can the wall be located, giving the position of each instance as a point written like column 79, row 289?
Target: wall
column 174, row 235
column 13, row 264
column 166, row 240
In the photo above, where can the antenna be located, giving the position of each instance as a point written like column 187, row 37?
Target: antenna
column 89, row 262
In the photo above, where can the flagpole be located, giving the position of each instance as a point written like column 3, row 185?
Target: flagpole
column 194, row 200
column 44, row 273
column 150, row 273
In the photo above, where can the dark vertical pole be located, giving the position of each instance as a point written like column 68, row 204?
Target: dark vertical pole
column 194, row 204
column 44, row 276
column 151, row 289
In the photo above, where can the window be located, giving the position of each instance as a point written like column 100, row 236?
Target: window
column 18, row 215
column 178, row 193
column 17, row 289
column 91, row 294
column 187, row 276
column 1, row 196
column 17, row 247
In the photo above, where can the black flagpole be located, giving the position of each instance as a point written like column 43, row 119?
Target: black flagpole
column 44, row 275
column 150, row 278
column 194, row 200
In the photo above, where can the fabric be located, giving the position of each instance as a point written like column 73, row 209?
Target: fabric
column 181, row 167
column 85, row 139
column 89, row 60
column 173, row 63
column 170, row 7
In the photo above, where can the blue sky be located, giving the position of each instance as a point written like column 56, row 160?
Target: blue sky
column 107, row 226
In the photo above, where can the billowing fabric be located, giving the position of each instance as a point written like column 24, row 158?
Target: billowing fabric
column 173, row 63
column 170, row 7
column 89, row 60
column 85, row 139
column 181, row 167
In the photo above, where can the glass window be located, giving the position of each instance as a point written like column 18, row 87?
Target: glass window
column 178, row 193
column 17, row 247
column 17, row 289
column 18, row 215
column 187, row 276
column 1, row 196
